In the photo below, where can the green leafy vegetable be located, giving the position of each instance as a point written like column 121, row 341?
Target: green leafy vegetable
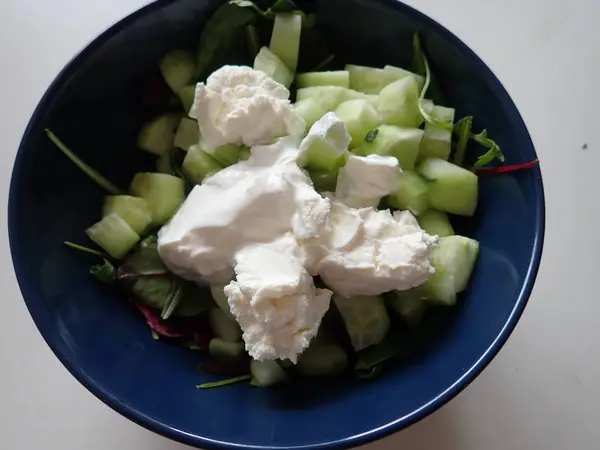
column 279, row 6
column 462, row 129
column 494, row 151
column 220, row 33
column 92, row 173
column 369, row 361
column 148, row 241
column 142, row 263
column 372, row 135
column 226, row 382
column 155, row 335
column 105, row 272
column 173, row 301
column 81, row 248
column 420, row 66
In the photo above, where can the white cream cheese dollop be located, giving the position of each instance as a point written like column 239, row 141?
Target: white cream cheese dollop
column 240, row 105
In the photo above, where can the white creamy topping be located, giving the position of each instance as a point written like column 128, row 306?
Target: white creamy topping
column 365, row 180
column 240, row 105
column 275, row 302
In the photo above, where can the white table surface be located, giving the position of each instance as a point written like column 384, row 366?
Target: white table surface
column 540, row 393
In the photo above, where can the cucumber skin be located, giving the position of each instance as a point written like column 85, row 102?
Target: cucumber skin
column 452, row 189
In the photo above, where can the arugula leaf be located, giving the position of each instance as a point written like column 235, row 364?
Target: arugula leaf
column 219, row 34
column 372, row 135
column 463, row 129
column 224, row 382
column 494, row 151
column 153, row 291
column 443, row 124
column 90, row 172
column 81, row 248
column 420, row 66
column 105, row 272
column 173, row 301
column 145, row 262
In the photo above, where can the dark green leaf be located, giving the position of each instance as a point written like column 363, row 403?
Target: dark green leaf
column 219, row 35
column 81, row 248
column 105, row 272
column 493, row 153
column 145, row 262
column 283, row 6
column 372, row 135
column 392, row 346
column 153, row 291
column 462, row 129
column 149, row 240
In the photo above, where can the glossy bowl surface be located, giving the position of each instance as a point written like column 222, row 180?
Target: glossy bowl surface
column 94, row 106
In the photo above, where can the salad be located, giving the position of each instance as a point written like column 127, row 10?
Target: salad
column 292, row 239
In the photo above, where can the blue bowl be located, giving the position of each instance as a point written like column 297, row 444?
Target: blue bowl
column 94, row 106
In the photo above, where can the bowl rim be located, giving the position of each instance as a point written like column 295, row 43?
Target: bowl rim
column 175, row 434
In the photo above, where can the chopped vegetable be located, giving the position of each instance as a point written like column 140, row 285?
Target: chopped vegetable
column 177, row 68
column 105, row 272
column 224, row 326
column 285, row 39
column 158, row 134
column 323, row 360
column 219, row 347
column 268, row 62
column 114, row 235
column 435, row 223
column 163, row 193
column 267, row 373
column 366, row 319
column 133, row 210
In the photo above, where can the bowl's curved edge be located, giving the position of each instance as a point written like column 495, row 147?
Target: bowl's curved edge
column 352, row 441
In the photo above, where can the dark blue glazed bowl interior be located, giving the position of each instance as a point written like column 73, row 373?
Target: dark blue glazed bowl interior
column 94, row 106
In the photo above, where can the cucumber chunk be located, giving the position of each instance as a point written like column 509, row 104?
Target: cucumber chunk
column 285, row 39
column 226, row 155
column 186, row 97
column 266, row 61
column 436, row 223
column 218, row 295
column 187, row 134
column 310, row 110
column 394, row 73
column 359, row 117
column 321, row 360
column 409, row 305
column 452, row 189
column 163, row 193
column 366, row 319
column 454, row 259
column 177, row 68
column 219, row 347
column 133, row 210
column 113, row 235
column 329, row 97
column 330, row 78
column 390, row 140
column 163, row 164
column 412, row 194
column 326, row 142
column 437, row 141
column 223, row 326
column 369, row 80
column 157, row 135
column 197, row 165
column 399, row 103
column 267, row 373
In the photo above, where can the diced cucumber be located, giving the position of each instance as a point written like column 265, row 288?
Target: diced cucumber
column 218, row 295
column 399, row 103
column 366, row 319
column 437, row 141
column 223, row 326
column 177, row 68
column 452, row 189
column 163, row 163
column 326, row 142
column 310, row 110
column 436, row 223
column 454, row 259
column 267, row 373
column 113, row 235
column 410, row 305
column 133, row 210
column 219, row 347
column 163, row 193
column 285, row 39
column 330, row 78
column 369, row 80
column 266, row 61
column 197, row 165
column 412, row 194
column 186, row 96
column 157, row 135
column 322, row 360
column 329, row 97
column 187, row 134
column 225, row 155
column 394, row 73
column 390, row 140
column 359, row 117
